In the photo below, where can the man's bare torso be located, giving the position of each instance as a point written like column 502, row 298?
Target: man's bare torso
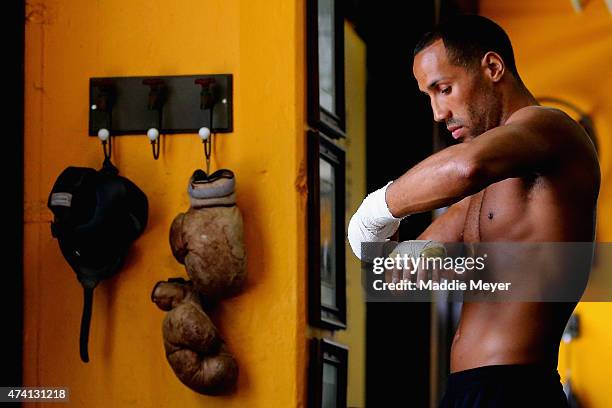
column 557, row 206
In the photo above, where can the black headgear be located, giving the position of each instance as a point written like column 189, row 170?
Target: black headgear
column 97, row 215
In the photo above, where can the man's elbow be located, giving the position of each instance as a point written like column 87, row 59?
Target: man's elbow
column 472, row 169
column 473, row 175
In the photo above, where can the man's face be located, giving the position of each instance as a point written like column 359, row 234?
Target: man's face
column 465, row 99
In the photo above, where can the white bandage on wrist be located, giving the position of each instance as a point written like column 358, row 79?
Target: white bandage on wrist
column 372, row 222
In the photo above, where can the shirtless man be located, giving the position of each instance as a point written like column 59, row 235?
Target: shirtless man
column 524, row 173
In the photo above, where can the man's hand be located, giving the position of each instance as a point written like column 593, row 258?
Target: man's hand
column 373, row 222
column 418, row 269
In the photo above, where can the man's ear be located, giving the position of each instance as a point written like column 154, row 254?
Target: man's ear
column 493, row 66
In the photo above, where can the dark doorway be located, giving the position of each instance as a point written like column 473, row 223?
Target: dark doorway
column 400, row 133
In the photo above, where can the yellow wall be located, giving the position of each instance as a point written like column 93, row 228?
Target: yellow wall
column 261, row 44
column 569, row 55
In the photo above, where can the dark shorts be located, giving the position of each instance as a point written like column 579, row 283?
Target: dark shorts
column 504, row 386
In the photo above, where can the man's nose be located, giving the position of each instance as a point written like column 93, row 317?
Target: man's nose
column 441, row 113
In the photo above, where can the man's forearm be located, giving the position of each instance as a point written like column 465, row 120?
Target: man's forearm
column 438, row 181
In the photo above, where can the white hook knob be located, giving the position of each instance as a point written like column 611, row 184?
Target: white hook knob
column 103, row 134
column 152, row 134
column 204, row 133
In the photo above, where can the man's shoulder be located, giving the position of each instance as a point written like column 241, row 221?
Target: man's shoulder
column 553, row 128
column 546, row 120
column 560, row 134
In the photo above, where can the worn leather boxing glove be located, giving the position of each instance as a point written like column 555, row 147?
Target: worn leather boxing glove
column 195, row 350
column 208, row 238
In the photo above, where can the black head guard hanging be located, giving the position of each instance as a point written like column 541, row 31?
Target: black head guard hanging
column 97, row 215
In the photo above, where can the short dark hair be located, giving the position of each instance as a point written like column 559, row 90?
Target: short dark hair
column 467, row 38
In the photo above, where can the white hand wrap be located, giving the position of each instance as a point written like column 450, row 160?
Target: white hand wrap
column 373, row 222
column 414, row 248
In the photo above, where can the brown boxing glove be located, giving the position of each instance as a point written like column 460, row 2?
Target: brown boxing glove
column 208, row 238
column 193, row 346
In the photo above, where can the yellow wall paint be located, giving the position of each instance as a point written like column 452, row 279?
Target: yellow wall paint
column 566, row 54
column 262, row 44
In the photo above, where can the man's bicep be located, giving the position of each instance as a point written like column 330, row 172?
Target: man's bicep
column 449, row 226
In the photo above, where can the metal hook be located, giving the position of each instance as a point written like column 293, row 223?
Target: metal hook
column 105, row 138
column 153, row 135
column 104, row 133
column 104, row 102
column 155, row 149
column 157, row 97
column 207, row 102
column 207, row 152
column 207, row 137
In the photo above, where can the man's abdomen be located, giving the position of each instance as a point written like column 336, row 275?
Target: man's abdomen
column 508, row 333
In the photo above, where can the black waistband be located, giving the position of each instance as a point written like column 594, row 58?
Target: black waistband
column 507, row 373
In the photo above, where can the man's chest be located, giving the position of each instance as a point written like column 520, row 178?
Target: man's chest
column 499, row 211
